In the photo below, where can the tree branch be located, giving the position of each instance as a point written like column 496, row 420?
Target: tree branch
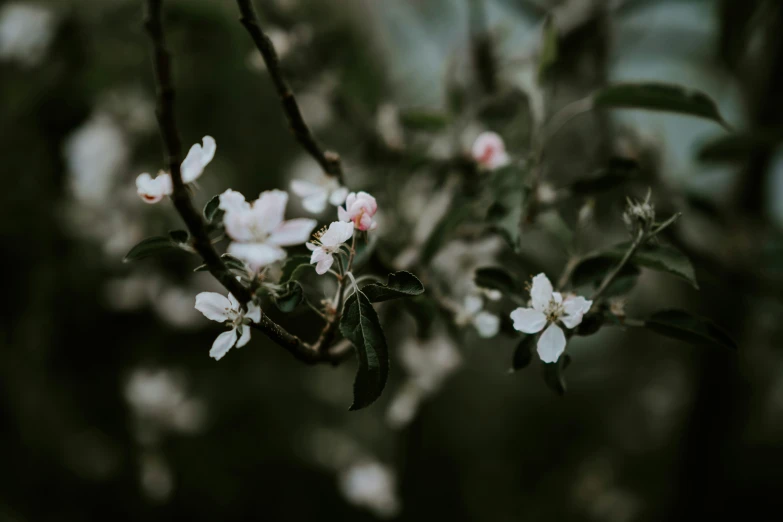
column 184, row 205
column 329, row 161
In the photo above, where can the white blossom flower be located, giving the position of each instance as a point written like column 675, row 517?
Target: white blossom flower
column 371, row 485
column 152, row 190
column 360, row 208
column 258, row 229
column 548, row 308
column 327, row 243
column 217, row 308
column 489, row 151
column 26, row 30
column 315, row 194
column 473, row 312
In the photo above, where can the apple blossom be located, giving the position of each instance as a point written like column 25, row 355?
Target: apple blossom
column 327, row 243
column 258, row 229
column 486, row 324
column 360, row 207
column 217, row 308
column 548, row 308
column 152, row 190
column 315, row 194
column 489, row 151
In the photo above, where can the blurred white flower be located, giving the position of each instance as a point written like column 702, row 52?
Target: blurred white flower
column 258, row 230
column 26, row 30
column 389, row 126
column 472, row 312
column 359, row 208
column 217, row 308
column 548, row 308
column 316, row 194
column 489, row 151
column 152, row 190
column 371, row 485
column 156, row 478
column 326, row 244
column 95, row 154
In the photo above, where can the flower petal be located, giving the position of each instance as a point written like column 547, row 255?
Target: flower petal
column 257, row 255
column 528, row 320
column 541, row 292
column 551, row 344
column 223, row 344
column 214, row 306
column 575, row 308
column 292, row 232
column 152, row 190
column 338, row 232
column 324, row 265
column 338, row 195
column 253, row 313
column 472, row 304
column 318, row 255
column 269, row 209
column 233, row 201
column 487, row 324
column 244, row 338
column 304, row 188
column 197, row 159
column 316, row 203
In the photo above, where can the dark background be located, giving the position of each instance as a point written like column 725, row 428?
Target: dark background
column 110, row 406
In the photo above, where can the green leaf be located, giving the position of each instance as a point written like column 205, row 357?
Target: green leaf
column 179, row 236
column 424, row 120
column 738, row 148
column 399, row 284
column 681, row 325
column 523, row 353
column 549, row 48
column 293, row 267
column 289, row 297
column 618, row 171
column 233, row 263
column 554, row 374
column 505, row 214
column 361, row 326
column 658, row 97
column 424, row 312
column 211, row 209
column 592, row 270
column 150, row 247
column 495, row 278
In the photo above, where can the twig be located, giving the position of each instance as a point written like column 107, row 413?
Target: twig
column 184, row 205
column 610, row 277
column 329, row 161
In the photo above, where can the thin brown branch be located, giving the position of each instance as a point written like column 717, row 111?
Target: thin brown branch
column 184, row 205
column 329, row 161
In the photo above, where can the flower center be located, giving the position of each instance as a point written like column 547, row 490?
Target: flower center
column 554, row 311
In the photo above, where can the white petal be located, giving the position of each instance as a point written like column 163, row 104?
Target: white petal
column 257, row 255
column 234, row 303
column 292, row 232
column 304, row 189
column 316, row 203
column 240, row 225
column 324, row 265
column 557, row 297
column 312, row 247
column 487, row 324
column 472, row 304
column 337, row 197
column 338, row 232
column 318, row 255
column 528, row 320
column 551, row 344
column 197, row 159
column 342, row 214
column 223, row 344
column 245, row 337
column 576, row 305
column 541, row 292
column 233, row 201
column 153, row 190
column 253, row 312
column 269, row 209
column 214, row 306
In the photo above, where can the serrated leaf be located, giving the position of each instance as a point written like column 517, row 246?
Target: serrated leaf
column 549, row 48
column 658, row 97
column 684, row 326
column 361, row 326
column 294, row 266
column 523, row 353
column 150, row 247
column 289, row 297
column 179, row 236
column 496, row 278
column 554, row 374
column 424, row 120
column 399, row 284
column 211, row 209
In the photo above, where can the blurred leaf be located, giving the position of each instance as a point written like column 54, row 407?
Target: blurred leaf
column 555, row 225
column 554, row 374
column 361, row 326
column 681, row 325
column 505, row 214
column 399, row 284
column 211, row 209
column 459, row 212
column 549, row 48
column 233, row 263
column 292, row 267
column 737, row 148
column 618, row 171
column 179, row 236
column 496, row 278
column 150, row 247
column 658, row 97
column 289, row 297
column 424, row 120
column 424, row 312
column 523, row 353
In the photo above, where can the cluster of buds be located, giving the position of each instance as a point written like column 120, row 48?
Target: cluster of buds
column 639, row 216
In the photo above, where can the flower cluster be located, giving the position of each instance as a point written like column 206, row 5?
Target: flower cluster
column 152, row 190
